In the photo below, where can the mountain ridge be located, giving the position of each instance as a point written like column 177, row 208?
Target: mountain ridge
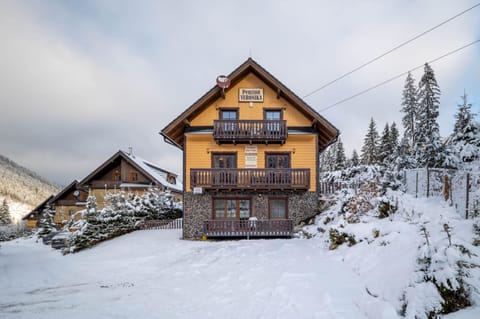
column 22, row 188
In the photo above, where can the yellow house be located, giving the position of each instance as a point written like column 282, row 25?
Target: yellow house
column 250, row 154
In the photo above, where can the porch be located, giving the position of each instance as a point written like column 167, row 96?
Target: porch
column 248, row 228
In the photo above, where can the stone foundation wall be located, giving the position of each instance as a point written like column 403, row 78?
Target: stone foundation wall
column 198, row 208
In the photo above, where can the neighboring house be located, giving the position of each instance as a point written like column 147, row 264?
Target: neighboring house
column 250, row 155
column 35, row 215
column 123, row 171
column 130, row 173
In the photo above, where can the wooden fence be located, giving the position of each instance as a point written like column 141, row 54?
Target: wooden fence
column 163, row 224
column 329, row 188
column 460, row 188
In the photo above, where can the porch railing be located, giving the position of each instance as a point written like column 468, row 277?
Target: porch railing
column 250, row 131
column 248, row 228
column 251, row 178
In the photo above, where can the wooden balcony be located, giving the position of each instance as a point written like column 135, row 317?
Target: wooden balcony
column 248, row 228
column 293, row 179
column 250, row 131
column 106, row 184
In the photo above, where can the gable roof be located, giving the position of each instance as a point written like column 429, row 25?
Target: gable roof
column 173, row 132
column 156, row 174
column 72, row 186
column 37, row 210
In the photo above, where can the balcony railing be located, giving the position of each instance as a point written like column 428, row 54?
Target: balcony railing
column 251, row 178
column 248, row 228
column 250, row 131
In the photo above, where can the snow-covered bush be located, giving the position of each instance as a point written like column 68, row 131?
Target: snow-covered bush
column 13, row 231
column 428, row 252
column 122, row 214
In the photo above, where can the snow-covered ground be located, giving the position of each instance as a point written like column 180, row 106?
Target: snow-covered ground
column 155, row 274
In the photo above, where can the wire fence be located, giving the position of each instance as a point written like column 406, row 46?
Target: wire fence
column 460, row 188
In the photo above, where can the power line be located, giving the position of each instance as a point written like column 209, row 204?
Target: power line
column 397, row 76
column 390, row 51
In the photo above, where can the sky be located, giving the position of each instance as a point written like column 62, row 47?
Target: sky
column 80, row 80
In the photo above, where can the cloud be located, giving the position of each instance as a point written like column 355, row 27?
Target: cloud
column 81, row 80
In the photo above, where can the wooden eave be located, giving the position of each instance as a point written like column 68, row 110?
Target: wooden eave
column 71, row 187
column 39, row 208
column 174, row 131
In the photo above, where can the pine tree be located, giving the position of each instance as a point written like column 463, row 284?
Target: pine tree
column 355, row 160
column 5, row 218
column 384, row 150
column 409, row 108
column 463, row 145
column 46, row 222
column 370, row 145
column 427, row 147
column 340, row 158
column 465, row 128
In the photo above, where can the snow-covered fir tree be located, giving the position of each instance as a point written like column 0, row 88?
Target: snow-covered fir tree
column 385, row 149
column 394, row 137
column 5, row 218
column 404, row 158
column 327, row 159
column 409, row 108
column 46, row 222
column 370, row 145
column 340, row 158
column 427, row 146
column 463, row 145
column 354, row 160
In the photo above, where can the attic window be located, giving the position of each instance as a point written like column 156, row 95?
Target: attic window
column 116, row 175
column 133, row 176
column 171, row 179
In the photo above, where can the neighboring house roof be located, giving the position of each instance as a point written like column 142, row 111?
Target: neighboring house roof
column 72, row 186
column 156, row 174
column 173, row 132
column 37, row 210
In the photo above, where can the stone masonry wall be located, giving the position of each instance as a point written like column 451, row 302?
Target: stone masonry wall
column 198, row 208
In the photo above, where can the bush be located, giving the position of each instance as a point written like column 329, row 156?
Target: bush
column 338, row 238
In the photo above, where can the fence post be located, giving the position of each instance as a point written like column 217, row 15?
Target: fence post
column 467, row 195
column 416, row 184
column 428, row 182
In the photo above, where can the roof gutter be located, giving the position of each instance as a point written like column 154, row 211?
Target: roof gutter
column 168, row 140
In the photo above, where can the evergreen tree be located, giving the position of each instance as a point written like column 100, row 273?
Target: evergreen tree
column 464, row 143
column 370, row 145
column 384, row 149
column 46, row 222
column 409, row 108
column 355, row 160
column 340, row 158
column 427, row 147
column 465, row 129
column 5, row 218
column 393, row 145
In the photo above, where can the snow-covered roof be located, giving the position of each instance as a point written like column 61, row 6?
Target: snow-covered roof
column 156, row 172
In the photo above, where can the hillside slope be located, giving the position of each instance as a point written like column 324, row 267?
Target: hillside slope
column 22, row 188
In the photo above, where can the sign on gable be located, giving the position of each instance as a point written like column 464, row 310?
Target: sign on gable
column 250, row 95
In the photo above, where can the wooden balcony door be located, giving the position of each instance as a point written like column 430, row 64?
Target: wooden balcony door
column 275, row 162
column 222, row 161
column 273, row 115
column 229, row 114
